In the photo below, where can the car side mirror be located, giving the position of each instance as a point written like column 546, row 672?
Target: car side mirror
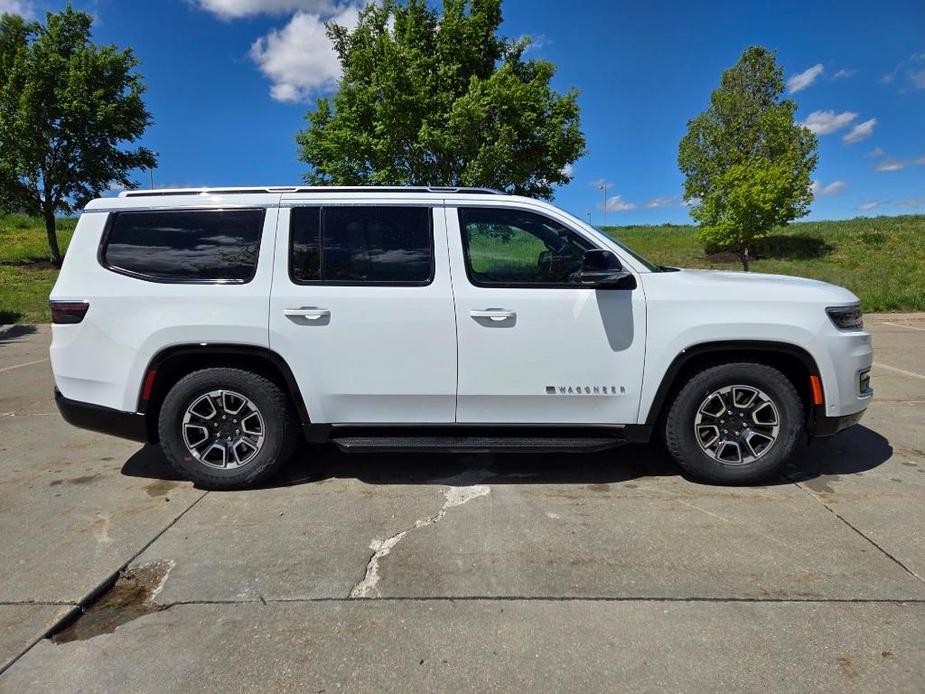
column 600, row 268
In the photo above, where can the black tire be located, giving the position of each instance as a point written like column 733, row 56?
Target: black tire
column 683, row 444
column 279, row 426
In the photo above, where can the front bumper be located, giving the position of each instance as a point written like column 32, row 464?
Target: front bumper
column 829, row 426
column 85, row 415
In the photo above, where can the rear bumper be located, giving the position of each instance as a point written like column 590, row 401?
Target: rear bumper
column 829, row 426
column 125, row 425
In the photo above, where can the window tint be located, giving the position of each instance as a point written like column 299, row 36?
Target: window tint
column 507, row 247
column 305, row 246
column 362, row 245
column 185, row 245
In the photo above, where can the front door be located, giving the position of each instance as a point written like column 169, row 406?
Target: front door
column 362, row 310
column 535, row 347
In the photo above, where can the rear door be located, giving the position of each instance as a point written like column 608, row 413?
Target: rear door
column 362, row 309
column 536, row 347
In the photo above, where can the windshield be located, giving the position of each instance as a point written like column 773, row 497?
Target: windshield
column 647, row 264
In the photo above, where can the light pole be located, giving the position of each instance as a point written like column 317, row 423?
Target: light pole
column 603, row 186
column 151, row 170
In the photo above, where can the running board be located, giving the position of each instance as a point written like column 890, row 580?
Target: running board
column 474, row 444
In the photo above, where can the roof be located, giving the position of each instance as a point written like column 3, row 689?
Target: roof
column 306, row 189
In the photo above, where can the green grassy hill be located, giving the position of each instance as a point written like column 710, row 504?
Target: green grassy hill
column 881, row 259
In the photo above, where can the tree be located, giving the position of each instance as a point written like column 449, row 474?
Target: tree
column 66, row 108
column 747, row 163
column 430, row 98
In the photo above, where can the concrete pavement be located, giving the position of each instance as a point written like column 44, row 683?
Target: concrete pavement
column 370, row 572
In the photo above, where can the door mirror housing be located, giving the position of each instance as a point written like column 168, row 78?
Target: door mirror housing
column 601, row 268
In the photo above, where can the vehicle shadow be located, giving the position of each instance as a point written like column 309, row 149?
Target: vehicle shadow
column 11, row 333
column 857, row 450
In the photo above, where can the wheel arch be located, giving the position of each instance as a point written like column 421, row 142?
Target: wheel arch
column 794, row 361
column 172, row 363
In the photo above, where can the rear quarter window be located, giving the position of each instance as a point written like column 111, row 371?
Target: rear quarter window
column 184, row 246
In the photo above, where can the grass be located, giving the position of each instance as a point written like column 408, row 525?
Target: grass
column 881, row 259
column 26, row 276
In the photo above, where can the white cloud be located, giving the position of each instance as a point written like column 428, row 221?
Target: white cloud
column 868, row 206
column 918, row 79
column 662, row 201
column 911, row 203
column 234, row 9
column 894, row 165
column 600, row 183
column 24, row 8
column 616, row 203
column 827, row 122
column 875, row 152
column 299, row 58
column 861, row 131
column 910, row 72
column 568, row 170
column 891, row 166
column 833, row 188
column 844, row 74
column 804, row 79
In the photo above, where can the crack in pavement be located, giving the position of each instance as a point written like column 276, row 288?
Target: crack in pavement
column 857, row 530
column 456, row 495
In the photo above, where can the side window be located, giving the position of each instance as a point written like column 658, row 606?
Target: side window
column 516, row 248
column 362, row 245
column 184, row 246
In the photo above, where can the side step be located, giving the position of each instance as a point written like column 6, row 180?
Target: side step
column 474, row 444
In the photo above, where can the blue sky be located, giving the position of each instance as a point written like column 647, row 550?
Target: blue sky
column 229, row 83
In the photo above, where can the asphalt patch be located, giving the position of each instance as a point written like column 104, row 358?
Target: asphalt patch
column 130, row 597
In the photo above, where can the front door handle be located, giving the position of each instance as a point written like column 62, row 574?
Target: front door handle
column 495, row 314
column 307, row 313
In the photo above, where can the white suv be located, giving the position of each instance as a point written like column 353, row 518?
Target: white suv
column 225, row 323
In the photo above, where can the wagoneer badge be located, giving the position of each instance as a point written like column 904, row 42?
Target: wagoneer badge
column 585, row 390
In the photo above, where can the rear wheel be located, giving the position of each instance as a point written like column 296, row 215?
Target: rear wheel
column 226, row 428
column 735, row 423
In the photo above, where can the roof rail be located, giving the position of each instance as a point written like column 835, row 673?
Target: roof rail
column 436, row 190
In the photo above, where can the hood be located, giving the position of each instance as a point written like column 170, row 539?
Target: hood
column 749, row 286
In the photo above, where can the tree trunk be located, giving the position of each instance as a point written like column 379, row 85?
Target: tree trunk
column 745, row 259
column 51, row 230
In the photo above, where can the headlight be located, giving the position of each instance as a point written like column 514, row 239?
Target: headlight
column 846, row 317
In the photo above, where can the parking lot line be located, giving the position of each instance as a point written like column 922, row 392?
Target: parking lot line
column 900, row 325
column 20, row 366
column 898, row 370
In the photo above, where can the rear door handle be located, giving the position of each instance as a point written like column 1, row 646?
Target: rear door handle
column 495, row 314
column 307, row 313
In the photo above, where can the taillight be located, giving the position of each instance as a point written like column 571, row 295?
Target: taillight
column 66, row 312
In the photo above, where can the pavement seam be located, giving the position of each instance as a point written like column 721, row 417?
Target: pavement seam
column 38, row 603
column 858, row 531
column 94, row 594
column 545, row 598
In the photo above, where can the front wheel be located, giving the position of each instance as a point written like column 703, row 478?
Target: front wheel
column 735, row 423
column 226, row 428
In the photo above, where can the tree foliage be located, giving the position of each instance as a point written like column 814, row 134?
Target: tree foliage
column 747, row 163
column 67, row 108
column 438, row 98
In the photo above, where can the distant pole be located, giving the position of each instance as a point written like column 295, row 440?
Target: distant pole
column 603, row 186
column 589, row 218
column 151, row 171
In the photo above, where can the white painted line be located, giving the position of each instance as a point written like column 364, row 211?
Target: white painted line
column 899, row 371
column 900, row 325
column 20, row 366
